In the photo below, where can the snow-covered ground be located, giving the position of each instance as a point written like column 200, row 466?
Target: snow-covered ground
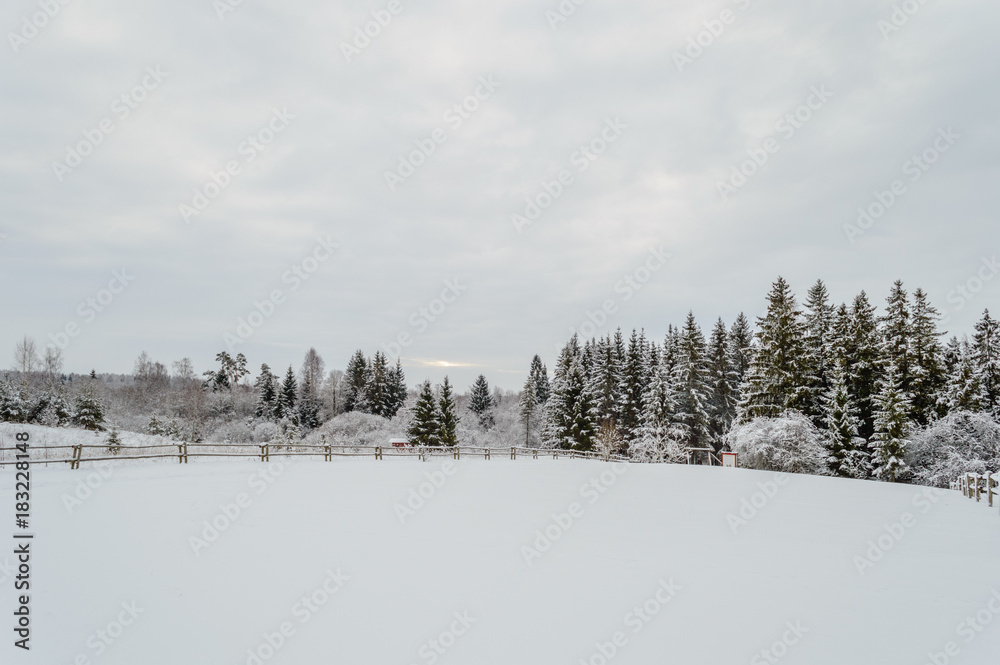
column 654, row 564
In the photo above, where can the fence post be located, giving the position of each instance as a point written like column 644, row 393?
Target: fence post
column 329, row 453
column 513, row 452
column 265, row 452
column 458, row 452
column 77, row 454
column 378, row 452
column 487, row 453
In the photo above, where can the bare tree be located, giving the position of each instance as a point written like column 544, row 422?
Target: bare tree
column 26, row 361
column 53, row 363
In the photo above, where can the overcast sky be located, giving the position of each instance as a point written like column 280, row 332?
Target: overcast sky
column 338, row 119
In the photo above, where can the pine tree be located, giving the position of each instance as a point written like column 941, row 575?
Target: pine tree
column 633, row 383
column 308, row 409
column 540, row 378
column 425, row 426
column 865, row 367
column 89, row 410
column 986, row 350
column 528, row 408
column 356, row 378
column 740, row 353
column 965, row 389
column 897, row 334
column 12, row 406
column 397, row 391
column 113, row 442
column 659, row 436
column 778, row 378
column 605, row 378
column 818, row 321
column 377, row 394
column 892, row 427
column 722, row 384
column 692, row 389
column 449, row 419
column 929, row 377
column 287, row 397
column 570, row 413
column 848, row 454
column 481, row 402
column 267, row 393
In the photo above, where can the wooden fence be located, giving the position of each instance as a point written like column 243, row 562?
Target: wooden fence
column 182, row 451
column 975, row 485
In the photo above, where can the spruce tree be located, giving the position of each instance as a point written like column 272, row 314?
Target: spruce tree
column 818, row 320
column 986, row 351
column 287, row 397
column 425, row 425
column 692, row 387
column 113, row 442
column 892, row 427
column 740, row 353
column 528, row 408
column 865, row 367
column 965, row 389
column 397, row 391
column 897, row 334
column 89, row 410
column 571, row 411
column 848, row 455
column 377, row 394
column 267, row 393
column 449, row 419
column 659, row 436
column 481, row 402
column 605, row 380
column 928, row 374
column 356, row 381
column 633, row 383
column 540, row 378
column 778, row 379
column 308, row 405
column 722, row 380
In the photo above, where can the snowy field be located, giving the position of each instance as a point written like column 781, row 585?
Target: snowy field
column 325, row 563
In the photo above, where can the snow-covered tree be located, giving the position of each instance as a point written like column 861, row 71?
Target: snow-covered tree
column 397, row 391
column 266, row 387
column 818, row 322
column 287, row 397
column 89, row 412
column 778, row 379
column 892, row 428
column 961, row 442
column 570, row 413
column 986, row 350
column 378, row 397
column 113, row 442
column 449, row 419
column 633, row 382
column 965, row 388
column 606, row 378
column 540, row 378
column 740, row 352
column 659, row 437
column 425, row 424
column 12, row 406
column 356, row 378
column 790, row 443
column 897, row 334
column 864, row 362
column 691, row 387
column 927, row 366
column 481, row 402
column 848, row 456
column 722, row 384
column 528, row 409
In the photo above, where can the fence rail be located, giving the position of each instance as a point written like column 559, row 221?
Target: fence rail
column 975, row 485
column 183, row 451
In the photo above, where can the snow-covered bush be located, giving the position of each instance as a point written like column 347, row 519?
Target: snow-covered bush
column 962, row 442
column 236, row 431
column 790, row 443
column 265, row 430
column 360, row 429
